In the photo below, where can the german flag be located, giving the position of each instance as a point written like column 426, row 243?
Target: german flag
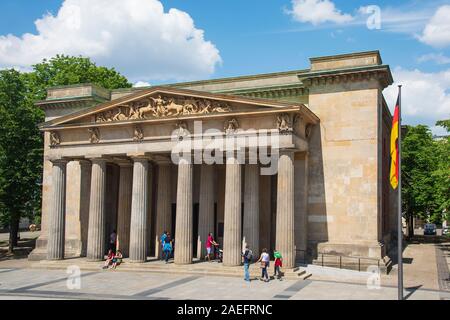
column 394, row 146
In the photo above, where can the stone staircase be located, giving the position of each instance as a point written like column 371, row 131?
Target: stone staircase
column 155, row 266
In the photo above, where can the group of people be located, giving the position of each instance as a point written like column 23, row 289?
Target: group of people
column 264, row 260
column 247, row 259
column 114, row 257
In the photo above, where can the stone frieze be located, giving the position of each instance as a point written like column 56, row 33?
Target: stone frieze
column 161, row 107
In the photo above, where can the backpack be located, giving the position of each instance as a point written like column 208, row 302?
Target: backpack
column 248, row 255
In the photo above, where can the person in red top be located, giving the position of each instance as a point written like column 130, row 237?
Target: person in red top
column 278, row 264
column 109, row 259
column 209, row 243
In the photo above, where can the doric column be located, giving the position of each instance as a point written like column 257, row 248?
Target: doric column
column 183, row 231
column 96, row 232
column 163, row 202
column 56, row 231
column 285, row 208
column 139, row 206
column 206, row 205
column 232, row 247
column 124, row 207
column 251, row 207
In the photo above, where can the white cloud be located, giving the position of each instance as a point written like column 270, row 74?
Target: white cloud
column 425, row 96
column 438, row 58
column 437, row 31
column 141, row 84
column 317, row 12
column 137, row 37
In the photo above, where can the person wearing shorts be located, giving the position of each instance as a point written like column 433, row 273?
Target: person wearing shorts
column 209, row 246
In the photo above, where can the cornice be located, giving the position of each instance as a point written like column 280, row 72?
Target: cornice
column 69, row 102
column 322, row 78
column 294, row 90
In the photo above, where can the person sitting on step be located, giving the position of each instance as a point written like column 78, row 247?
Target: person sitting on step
column 117, row 259
column 109, row 259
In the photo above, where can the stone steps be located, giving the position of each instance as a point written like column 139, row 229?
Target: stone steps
column 202, row 269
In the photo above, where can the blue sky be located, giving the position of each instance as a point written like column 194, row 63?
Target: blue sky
column 240, row 37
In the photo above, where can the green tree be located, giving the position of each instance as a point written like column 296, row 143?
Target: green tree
column 21, row 143
column 20, row 153
column 425, row 174
column 65, row 70
column 444, row 123
column 441, row 174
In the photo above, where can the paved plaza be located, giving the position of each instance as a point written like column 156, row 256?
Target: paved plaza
column 426, row 277
column 55, row 284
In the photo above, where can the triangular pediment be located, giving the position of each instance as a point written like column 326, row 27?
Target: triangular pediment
column 164, row 103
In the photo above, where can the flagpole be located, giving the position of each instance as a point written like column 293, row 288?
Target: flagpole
column 400, row 224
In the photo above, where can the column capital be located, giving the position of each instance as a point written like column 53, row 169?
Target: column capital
column 60, row 161
column 84, row 162
column 139, row 156
column 233, row 159
column 124, row 163
column 286, row 151
column 96, row 158
column 162, row 160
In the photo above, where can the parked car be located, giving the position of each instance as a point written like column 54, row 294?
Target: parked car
column 429, row 229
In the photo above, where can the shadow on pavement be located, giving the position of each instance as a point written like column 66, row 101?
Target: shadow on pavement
column 411, row 291
column 23, row 249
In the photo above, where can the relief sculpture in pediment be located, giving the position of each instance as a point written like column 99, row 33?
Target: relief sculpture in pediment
column 160, row 107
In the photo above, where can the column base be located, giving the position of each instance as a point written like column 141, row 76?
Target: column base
column 54, row 259
column 94, row 260
column 183, row 263
column 72, row 249
column 40, row 251
column 136, row 261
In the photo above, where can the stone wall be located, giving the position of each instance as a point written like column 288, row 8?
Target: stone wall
column 343, row 200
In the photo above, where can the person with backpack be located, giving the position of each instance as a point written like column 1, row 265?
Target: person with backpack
column 247, row 256
column 167, row 249
column 277, row 264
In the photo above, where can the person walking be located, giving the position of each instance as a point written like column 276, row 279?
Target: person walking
column 162, row 241
column 247, row 256
column 170, row 240
column 278, row 263
column 264, row 259
column 209, row 246
column 167, row 250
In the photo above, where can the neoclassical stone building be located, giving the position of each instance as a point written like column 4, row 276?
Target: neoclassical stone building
column 113, row 161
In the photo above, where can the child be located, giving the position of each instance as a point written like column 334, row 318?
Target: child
column 117, row 260
column 277, row 265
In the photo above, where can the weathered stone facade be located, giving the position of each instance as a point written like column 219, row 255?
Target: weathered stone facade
column 330, row 195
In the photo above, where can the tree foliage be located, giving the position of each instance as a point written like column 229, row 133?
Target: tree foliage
column 426, row 174
column 21, row 143
column 65, row 70
column 20, row 152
